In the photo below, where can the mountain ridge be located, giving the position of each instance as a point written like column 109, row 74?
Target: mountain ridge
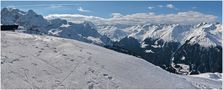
column 33, row 23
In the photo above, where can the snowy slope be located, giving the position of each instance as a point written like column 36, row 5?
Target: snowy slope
column 31, row 61
column 212, row 76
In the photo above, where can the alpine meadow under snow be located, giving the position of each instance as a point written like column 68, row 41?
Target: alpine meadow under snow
column 137, row 51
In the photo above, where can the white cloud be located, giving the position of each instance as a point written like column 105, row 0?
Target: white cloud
column 150, row 7
column 189, row 17
column 171, row 6
column 80, row 9
column 76, row 18
column 116, row 15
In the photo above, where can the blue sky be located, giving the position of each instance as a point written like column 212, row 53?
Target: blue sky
column 105, row 9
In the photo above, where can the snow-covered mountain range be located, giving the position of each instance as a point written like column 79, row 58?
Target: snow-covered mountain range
column 205, row 34
column 178, row 48
column 45, row 62
column 37, row 24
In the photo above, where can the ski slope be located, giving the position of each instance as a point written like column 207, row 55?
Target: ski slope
column 45, row 62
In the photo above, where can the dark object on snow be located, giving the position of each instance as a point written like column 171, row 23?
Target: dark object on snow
column 9, row 27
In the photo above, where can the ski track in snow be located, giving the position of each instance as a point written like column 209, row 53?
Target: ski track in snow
column 30, row 61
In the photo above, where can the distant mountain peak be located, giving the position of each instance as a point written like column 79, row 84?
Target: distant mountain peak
column 37, row 24
column 31, row 12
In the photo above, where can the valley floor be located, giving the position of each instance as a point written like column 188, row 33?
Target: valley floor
column 45, row 62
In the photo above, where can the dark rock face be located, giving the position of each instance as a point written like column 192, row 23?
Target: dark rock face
column 168, row 55
column 55, row 23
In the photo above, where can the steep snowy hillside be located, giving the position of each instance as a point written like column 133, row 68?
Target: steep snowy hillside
column 32, row 61
column 212, row 76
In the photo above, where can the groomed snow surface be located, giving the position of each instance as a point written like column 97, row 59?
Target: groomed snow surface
column 45, row 62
